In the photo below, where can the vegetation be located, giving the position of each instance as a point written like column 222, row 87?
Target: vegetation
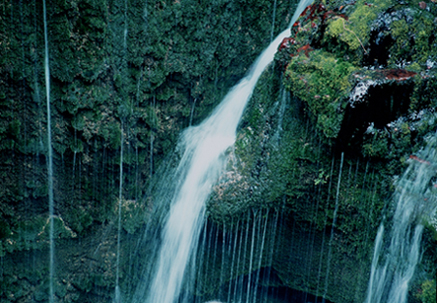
column 132, row 74
column 335, row 48
column 428, row 292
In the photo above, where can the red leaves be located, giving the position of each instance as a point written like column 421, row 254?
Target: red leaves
column 397, row 74
column 306, row 49
column 312, row 9
column 286, row 43
column 334, row 14
column 311, row 13
column 416, row 158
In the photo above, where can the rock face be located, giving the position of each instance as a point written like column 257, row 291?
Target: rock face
column 123, row 73
column 362, row 82
column 349, row 98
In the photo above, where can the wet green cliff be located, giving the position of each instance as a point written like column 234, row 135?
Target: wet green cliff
column 331, row 123
column 340, row 115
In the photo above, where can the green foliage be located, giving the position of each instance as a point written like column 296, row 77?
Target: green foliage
column 355, row 31
column 322, row 81
column 79, row 218
column 412, row 37
column 428, row 292
column 132, row 215
column 33, row 234
column 152, row 67
column 322, row 178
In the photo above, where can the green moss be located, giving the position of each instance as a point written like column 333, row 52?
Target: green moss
column 133, row 214
column 322, row 81
column 355, row 29
column 79, row 219
column 412, row 37
column 428, row 292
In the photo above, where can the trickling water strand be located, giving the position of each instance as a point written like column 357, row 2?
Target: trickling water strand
column 238, row 264
column 214, row 264
column 283, row 96
column 202, row 160
column 374, row 279
column 414, row 198
column 233, row 261
column 208, row 254
column 137, row 173
column 222, row 267
column 333, row 226
column 255, row 220
column 125, row 30
column 120, row 196
column 325, row 223
column 261, row 250
column 273, row 21
column 246, row 243
column 50, row 160
column 192, row 111
column 152, row 138
column 272, row 238
column 370, row 220
column 203, row 254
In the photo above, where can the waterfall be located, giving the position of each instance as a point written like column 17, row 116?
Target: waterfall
column 397, row 253
column 50, row 160
column 203, row 150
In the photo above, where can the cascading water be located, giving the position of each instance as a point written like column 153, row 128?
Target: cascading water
column 49, row 160
column 396, row 254
column 203, row 148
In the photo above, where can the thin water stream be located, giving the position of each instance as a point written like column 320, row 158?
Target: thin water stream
column 120, row 201
column 49, row 160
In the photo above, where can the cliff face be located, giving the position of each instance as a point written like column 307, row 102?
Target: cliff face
column 350, row 101
column 357, row 79
column 131, row 73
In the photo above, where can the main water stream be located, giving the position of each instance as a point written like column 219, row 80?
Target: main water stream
column 202, row 160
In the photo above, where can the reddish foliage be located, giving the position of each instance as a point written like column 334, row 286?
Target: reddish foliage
column 306, row 49
column 312, row 9
column 286, row 43
column 311, row 13
column 397, row 74
column 419, row 160
column 332, row 13
column 315, row 10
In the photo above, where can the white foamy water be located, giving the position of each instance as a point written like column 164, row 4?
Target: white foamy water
column 202, row 161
